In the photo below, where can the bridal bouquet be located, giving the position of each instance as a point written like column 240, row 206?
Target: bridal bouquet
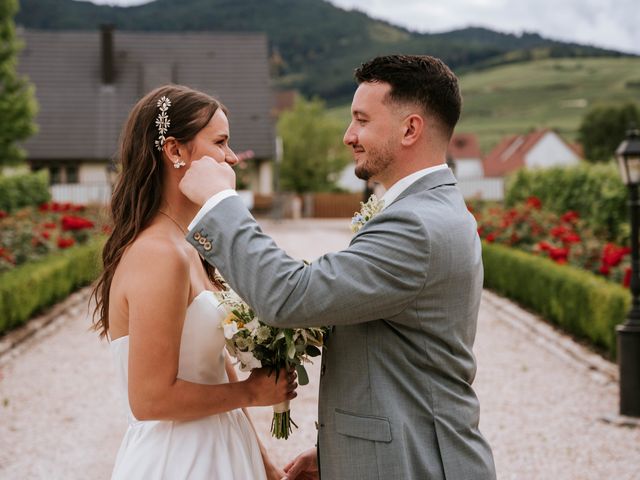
column 255, row 345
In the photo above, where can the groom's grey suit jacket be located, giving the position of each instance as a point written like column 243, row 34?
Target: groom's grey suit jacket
column 396, row 401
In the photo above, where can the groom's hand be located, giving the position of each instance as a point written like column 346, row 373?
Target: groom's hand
column 206, row 177
column 304, row 466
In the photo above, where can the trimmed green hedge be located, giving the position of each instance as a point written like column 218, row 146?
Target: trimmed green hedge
column 29, row 288
column 23, row 190
column 596, row 192
column 578, row 301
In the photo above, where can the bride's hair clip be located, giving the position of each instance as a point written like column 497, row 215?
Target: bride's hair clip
column 162, row 121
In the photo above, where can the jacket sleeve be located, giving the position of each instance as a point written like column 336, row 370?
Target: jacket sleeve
column 381, row 272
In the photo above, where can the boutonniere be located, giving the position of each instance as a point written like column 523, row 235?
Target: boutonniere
column 370, row 209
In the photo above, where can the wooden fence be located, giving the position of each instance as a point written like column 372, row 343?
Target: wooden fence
column 335, row 205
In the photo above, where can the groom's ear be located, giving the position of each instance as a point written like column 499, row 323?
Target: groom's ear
column 412, row 128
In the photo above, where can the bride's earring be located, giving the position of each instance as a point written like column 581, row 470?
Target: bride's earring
column 178, row 164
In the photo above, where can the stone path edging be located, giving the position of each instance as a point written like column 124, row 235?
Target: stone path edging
column 15, row 340
column 553, row 339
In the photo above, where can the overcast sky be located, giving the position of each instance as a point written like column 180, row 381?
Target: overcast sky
column 604, row 23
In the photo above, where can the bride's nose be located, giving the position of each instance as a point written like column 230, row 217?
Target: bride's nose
column 230, row 157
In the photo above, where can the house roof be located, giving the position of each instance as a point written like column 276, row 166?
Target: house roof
column 464, row 146
column 510, row 153
column 81, row 118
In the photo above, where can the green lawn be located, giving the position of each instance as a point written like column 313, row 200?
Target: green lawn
column 553, row 93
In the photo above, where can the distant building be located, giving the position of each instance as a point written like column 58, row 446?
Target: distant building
column 87, row 82
column 464, row 150
column 538, row 149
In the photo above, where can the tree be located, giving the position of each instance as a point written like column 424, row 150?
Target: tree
column 313, row 153
column 17, row 100
column 603, row 128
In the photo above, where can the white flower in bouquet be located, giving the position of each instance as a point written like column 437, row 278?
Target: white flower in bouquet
column 255, row 345
column 248, row 361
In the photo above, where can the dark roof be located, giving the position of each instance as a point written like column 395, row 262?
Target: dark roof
column 81, row 118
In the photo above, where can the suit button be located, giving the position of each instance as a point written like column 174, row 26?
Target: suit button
column 202, row 241
column 207, row 246
column 197, row 236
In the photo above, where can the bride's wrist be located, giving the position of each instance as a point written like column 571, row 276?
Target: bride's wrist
column 249, row 393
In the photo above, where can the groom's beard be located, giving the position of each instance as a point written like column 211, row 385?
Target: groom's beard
column 374, row 161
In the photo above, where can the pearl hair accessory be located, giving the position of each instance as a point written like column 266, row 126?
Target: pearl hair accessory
column 163, row 122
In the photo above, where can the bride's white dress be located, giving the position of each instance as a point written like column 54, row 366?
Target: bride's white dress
column 222, row 447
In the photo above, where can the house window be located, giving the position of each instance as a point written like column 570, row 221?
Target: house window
column 62, row 174
column 72, row 174
column 55, row 175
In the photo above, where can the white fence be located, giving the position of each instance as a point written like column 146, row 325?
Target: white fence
column 482, row 188
column 82, row 193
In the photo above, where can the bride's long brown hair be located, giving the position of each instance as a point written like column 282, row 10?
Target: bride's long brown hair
column 137, row 195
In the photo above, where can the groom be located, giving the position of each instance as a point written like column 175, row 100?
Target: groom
column 396, row 400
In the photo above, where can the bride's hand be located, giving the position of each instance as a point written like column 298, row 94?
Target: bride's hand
column 273, row 472
column 264, row 390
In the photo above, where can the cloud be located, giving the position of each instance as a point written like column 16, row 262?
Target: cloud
column 594, row 22
column 597, row 22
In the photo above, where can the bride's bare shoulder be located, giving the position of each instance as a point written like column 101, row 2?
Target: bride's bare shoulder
column 155, row 253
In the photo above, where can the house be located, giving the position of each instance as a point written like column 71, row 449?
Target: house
column 87, row 81
column 464, row 150
column 538, row 149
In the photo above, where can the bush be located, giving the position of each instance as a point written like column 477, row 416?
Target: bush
column 34, row 286
column 596, row 192
column 577, row 301
column 604, row 127
column 19, row 191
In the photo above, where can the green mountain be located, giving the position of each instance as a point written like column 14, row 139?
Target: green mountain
column 314, row 45
column 550, row 93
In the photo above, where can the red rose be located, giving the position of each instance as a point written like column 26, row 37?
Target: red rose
column 558, row 253
column 559, row 231
column 65, row 242
column 534, row 202
column 604, row 269
column 75, row 223
column 491, row 237
column 544, row 246
column 570, row 216
column 626, row 281
column 3, row 214
column 612, row 254
column 571, row 237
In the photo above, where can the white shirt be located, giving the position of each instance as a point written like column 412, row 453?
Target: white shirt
column 389, row 196
column 401, row 185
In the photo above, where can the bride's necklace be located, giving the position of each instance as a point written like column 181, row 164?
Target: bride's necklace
column 174, row 221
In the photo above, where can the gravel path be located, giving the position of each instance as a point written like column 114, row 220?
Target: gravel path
column 543, row 397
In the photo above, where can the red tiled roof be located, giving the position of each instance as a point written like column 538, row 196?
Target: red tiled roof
column 510, row 153
column 464, row 145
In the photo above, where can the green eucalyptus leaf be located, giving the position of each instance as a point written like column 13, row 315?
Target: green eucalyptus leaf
column 303, row 377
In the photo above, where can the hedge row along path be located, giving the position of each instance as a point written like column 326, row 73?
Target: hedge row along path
column 543, row 396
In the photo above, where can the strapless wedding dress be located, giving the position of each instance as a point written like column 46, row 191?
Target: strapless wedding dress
column 221, row 447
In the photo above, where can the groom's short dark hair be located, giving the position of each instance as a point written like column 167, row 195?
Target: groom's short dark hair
column 418, row 79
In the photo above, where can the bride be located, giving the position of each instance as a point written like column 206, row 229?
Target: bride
column 156, row 302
